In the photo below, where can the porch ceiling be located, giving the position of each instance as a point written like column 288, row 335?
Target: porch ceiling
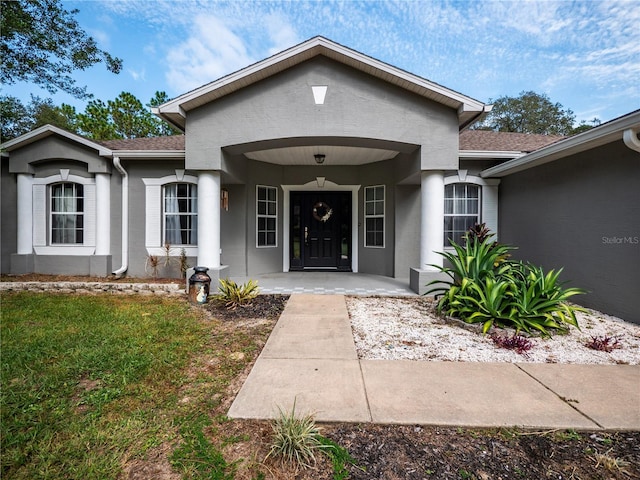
column 334, row 155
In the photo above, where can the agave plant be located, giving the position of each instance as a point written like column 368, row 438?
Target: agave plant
column 234, row 295
column 475, row 260
column 485, row 287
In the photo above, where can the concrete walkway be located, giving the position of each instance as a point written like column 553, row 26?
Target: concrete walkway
column 310, row 358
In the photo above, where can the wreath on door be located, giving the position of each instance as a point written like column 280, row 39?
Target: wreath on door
column 322, row 212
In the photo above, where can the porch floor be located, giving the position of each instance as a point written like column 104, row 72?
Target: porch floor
column 329, row 283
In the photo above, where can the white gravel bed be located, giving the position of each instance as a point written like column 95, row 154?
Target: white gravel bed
column 388, row 328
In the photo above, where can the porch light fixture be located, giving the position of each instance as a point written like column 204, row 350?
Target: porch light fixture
column 224, row 199
column 319, row 158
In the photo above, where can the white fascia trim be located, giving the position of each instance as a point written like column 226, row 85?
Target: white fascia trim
column 151, row 154
column 601, row 135
column 175, row 105
column 169, row 179
column 71, row 250
column 488, row 154
column 313, row 187
column 473, row 180
column 630, row 137
column 47, row 130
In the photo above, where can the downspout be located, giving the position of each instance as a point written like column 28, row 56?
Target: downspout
column 630, row 137
column 125, row 218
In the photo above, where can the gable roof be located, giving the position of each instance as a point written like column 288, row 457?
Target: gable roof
column 174, row 111
column 626, row 128
column 48, row 130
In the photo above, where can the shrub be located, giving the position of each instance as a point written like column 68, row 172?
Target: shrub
column 486, row 287
column 515, row 342
column 296, row 439
column 604, row 344
column 234, row 295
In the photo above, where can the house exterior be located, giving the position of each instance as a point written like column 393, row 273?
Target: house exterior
column 317, row 158
column 576, row 204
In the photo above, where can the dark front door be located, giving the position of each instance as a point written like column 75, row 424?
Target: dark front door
column 320, row 231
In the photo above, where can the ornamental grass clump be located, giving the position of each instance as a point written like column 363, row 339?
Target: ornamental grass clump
column 486, row 287
column 296, row 439
column 233, row 295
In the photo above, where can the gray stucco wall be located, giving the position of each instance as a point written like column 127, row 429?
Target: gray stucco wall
column 356, row 106
column 581, row 213
column 233, row 232
column 407, row 229
column 138, row 170
column 8, row 216
column 26, row 158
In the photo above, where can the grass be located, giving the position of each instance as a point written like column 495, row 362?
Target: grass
column 91, row 382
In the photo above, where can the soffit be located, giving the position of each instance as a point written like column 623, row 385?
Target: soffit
column 334, row 155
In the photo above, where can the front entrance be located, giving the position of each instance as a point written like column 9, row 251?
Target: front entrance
column 320, row 231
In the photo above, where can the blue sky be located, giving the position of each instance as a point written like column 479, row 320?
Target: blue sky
column 583, row 54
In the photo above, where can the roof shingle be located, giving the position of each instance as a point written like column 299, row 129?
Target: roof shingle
column 173, row 142
column 480, row 140
column 486, row 140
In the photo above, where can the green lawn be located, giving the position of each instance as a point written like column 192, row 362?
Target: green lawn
column 91, row 382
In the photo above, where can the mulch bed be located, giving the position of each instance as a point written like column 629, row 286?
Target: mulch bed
column 268, row 306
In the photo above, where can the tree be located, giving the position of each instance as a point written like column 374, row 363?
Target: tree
column 529, row 113
column 123, row 117
column 164, row 128
column 18, row 119
column 42, row 43
column 44, row 112
column 95, row 122
column 15, row 118
column 584, row 125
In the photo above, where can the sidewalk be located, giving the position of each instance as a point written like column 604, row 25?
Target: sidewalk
column 310, row 357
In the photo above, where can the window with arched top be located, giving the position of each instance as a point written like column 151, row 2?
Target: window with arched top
column 171, row 214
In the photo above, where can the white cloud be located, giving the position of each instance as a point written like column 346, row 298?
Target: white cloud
column 211, row 51
column 137, row 75
column 485, row 49
column 280, row 32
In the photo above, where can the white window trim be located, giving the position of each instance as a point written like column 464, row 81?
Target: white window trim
column 488, row 199
column 154, row 217
column 266, row 216
column 384, row 216
column 314, row 186
column 41, row 214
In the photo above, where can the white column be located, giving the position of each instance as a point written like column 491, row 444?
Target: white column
column 432, row 219
column 103, row 214
column 25, row 214
column 209, row 219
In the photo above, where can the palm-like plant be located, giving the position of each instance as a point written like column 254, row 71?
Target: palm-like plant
column 486, row 287
column 234, row 295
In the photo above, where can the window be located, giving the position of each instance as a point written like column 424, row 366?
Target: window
column 180, row 214
column 67, row 213
column 374, row 216
column 267, row 216
column 461, row 210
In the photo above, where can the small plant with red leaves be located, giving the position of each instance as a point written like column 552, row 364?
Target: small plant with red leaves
column 519, row 343
column 604, row 343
